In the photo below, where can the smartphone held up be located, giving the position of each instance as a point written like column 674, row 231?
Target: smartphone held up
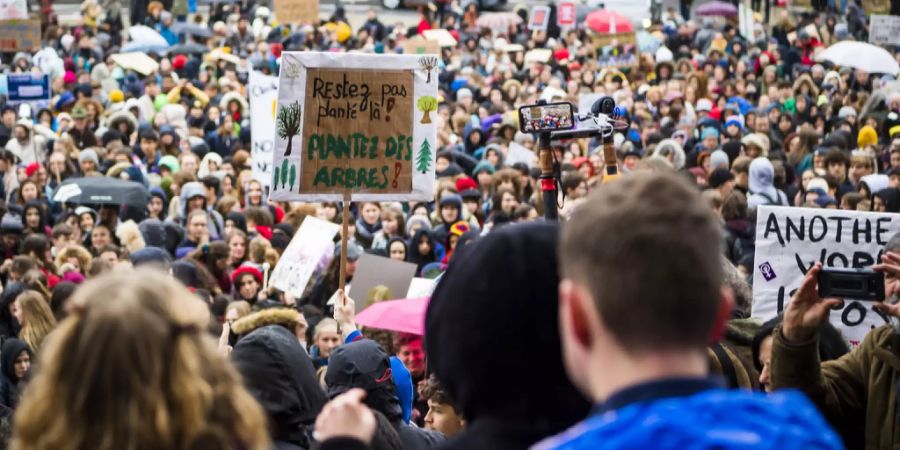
column 546, row 117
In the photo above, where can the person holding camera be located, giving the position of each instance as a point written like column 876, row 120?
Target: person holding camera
column 859, row 390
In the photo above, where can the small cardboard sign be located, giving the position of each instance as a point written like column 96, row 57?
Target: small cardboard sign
column 565, row 14
column 540, row 18
column 442, row 36
column 297, row 11
column 355, row 123
column 310, row 244
column 20, row 35
column 138, row 62
column 13, row 9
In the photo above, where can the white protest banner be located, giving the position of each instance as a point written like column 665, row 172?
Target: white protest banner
column 312, row 241
column 884, row 30
column 263, row 91
column 519, row 153
column 13, row 9
column 790, row 240
column 355, row 123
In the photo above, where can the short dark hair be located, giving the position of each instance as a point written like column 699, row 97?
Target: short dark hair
column 648, row 249
column 61, row 229
column 837, row 157
column 434, row 391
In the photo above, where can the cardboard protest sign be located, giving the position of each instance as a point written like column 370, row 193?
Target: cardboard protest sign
column 616, row 50
column 442, row 36
column 297, row 11
column 565, row 14
column 138, row 62
column 355, row 123
column 418, row 45
column 876, row 6
column 884, row 30
column 540, row 18
column 263, row 96
column 312, row 242
column 790, row 240
column 372, row 271
column 20, row 35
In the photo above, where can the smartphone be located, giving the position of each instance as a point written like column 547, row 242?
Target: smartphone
column 856, row 284
column 547, row 117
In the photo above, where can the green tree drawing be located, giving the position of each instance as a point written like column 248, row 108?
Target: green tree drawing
column 277, row 173
column 428, row 64
column 284, row 172
column 287, row 125
column 423, row 159
column 293, row 176
column 426, row 104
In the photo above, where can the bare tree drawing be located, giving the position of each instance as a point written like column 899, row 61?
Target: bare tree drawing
column 428, row 63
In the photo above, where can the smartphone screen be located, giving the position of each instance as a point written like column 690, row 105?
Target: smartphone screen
column 549, row 117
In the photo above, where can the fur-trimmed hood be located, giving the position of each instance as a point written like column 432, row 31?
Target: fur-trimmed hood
column 273, row 316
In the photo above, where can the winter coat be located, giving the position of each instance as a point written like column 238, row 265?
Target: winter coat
column 740, row 241
column 10, row 386
column 856, row 390
column 279, row 374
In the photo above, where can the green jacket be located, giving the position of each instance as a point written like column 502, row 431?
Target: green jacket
column 856, row 392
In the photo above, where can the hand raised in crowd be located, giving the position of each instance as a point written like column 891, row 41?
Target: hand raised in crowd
column 224, row 348
column 807, row 311
column 346, row 416
column 345, row 313
column 890, row 267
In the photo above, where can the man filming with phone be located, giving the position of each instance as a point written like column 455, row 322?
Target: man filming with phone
column 859, row 388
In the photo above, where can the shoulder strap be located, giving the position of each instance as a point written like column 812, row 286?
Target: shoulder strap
column 727, row 367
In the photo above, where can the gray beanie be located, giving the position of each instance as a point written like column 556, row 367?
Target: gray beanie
column 88, row 155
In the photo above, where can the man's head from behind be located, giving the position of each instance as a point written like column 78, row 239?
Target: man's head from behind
column 642, row 276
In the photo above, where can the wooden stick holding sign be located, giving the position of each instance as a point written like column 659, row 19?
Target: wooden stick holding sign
column 345, row 229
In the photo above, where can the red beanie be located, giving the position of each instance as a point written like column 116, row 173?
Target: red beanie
column 32, row 168
column 246, row 269
column 466, row 183
column 178, row 62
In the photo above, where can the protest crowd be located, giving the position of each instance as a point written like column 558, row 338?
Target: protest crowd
column 141, row 307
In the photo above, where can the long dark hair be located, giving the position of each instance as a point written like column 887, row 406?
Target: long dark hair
column 412, row 253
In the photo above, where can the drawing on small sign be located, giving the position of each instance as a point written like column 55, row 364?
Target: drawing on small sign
column 428, row 63
column 423, row 159
column 767, row 271
column 426, row 104
column 287, row 174
column 288, row 124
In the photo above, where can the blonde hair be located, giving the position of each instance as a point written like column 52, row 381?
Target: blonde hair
column 78, row 252
column 241, row 306
column 322, row 325
column 38, row 318
column 133, row 352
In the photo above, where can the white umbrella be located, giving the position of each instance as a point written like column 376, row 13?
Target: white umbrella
column 146, row 36
column 861, row 55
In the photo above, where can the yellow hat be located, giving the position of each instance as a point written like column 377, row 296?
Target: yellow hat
column 116, row 96
column 894, row 130
column 867, row 136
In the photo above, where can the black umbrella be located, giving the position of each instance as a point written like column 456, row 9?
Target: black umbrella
column 101, row 191
column 188, row 49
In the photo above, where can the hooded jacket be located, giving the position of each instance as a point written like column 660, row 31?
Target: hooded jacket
column 9, row 384
column 762, row 185
column 515, row 268
column 279, row 374
column 363, row 364
column 9, row 326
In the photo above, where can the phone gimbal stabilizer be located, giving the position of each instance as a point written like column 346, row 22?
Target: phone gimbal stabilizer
column 602, row 120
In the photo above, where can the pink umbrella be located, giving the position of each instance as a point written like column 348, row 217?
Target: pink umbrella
column 716, row 8
column 406, row 316
column 604, row 21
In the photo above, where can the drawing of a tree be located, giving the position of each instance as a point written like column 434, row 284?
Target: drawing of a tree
column 293, row 176
column 423, row 159
column 287, row 125
column 427, row 104
column 428, row 63
column 277, row 173
column 284, row 172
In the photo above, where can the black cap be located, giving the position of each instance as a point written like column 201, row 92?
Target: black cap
column 361, row 364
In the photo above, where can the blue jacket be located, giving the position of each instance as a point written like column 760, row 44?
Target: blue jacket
column 694, row 414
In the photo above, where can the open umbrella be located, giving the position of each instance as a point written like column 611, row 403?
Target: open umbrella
column 604, row 21
column 188, row 49
column 101, row 191
column 647, row 43
column 191, row 29
column 144, row 35
column 405, row 316
column 862, row 56
column 500, row 21
column 716, row 8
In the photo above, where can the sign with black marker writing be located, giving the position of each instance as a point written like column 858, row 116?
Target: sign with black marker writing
column 263, row 93
column 790, row 240
column 355, row 123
